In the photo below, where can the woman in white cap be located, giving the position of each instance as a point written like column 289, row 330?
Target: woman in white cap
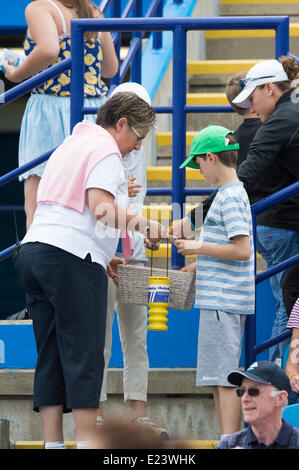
column 272, row 164
column 269, row 90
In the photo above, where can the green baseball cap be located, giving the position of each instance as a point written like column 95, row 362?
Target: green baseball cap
column 210, row 139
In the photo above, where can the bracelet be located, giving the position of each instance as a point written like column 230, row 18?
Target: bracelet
column 189, row 218
column 292, row 375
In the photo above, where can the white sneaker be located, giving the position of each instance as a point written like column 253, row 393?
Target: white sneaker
column 144, row 421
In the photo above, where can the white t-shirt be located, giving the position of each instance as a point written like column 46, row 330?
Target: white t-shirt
column 78, row 233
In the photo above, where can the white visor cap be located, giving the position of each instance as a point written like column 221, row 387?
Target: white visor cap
column 260, row 73
column 133, row 87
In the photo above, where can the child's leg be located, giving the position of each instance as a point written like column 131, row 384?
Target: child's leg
column 230, row 410
column 215, row 392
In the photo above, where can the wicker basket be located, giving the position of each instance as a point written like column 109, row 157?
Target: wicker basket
column 133, row 286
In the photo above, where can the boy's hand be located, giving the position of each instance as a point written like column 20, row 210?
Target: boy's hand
column 190, row 268
column 187, row 247
column 181, row 228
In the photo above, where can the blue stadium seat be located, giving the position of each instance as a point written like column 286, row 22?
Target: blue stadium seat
column 285, row 357
column 291, row 414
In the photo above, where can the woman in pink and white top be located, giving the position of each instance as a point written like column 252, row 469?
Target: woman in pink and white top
column 292, row 365
column 63, row 261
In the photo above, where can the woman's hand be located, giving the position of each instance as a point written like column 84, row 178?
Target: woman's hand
column 154, row 233
column 154, row 246
column 10, row 72
column 112, row 269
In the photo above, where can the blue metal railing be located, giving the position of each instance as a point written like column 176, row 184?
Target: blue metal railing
column 179, row 109
column 252, row 349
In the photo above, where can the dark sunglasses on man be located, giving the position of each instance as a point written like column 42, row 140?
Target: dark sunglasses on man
column 252, row 391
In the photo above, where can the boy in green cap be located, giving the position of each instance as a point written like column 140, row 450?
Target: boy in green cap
column 225, row 286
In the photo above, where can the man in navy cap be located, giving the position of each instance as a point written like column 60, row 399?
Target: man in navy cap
column 263, row 389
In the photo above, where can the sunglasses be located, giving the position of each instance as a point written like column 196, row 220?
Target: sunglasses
column 243, row 82
column 252, row 392
column 139, row 136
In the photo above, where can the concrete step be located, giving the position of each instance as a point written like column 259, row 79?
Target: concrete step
column 220, row 67
column 189, row 444
column 187, row 411
column 160, row 176
column 214, row 74
column 164, row 173
column 252, row 44
column 194, row 123
column 259, row 7
column 206, row 99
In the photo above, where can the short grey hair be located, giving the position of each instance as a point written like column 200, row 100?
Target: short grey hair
column 138, row 113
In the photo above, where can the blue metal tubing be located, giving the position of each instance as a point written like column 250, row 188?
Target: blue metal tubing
column 187, row 192
column 134, row 54
column 28, row 85
column 251, row 348
column 274, row 199
column 22, row 169
column 9, row 208
column 280, row 24
column 179, row 26
column 265, row 204
column 277, row 269
column 7, row 252
column 272, row 341
column 134, row 51
column 187, row 109
column 178, row 124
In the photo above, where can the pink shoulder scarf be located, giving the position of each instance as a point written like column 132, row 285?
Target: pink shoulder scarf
column 73, row 161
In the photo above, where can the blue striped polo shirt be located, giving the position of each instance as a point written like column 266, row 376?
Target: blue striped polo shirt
column 223, row 284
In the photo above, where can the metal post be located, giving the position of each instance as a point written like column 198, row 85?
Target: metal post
column 116, row 13
column 157, row 37
column 250, row 326
column 282, row 38
column 136, row 63
column 77, row 74
column 178, row 126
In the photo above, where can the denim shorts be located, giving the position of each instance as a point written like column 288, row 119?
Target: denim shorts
column 45, row 125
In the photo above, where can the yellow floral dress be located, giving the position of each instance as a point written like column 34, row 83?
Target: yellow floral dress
column 60, row 86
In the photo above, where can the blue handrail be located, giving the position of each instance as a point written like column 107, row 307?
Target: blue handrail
column 179, row 27
column 252, row 349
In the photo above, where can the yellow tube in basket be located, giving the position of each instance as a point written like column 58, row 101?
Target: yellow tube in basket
column 158, row 299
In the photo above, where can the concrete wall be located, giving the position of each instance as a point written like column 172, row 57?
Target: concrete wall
column 174, row 402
